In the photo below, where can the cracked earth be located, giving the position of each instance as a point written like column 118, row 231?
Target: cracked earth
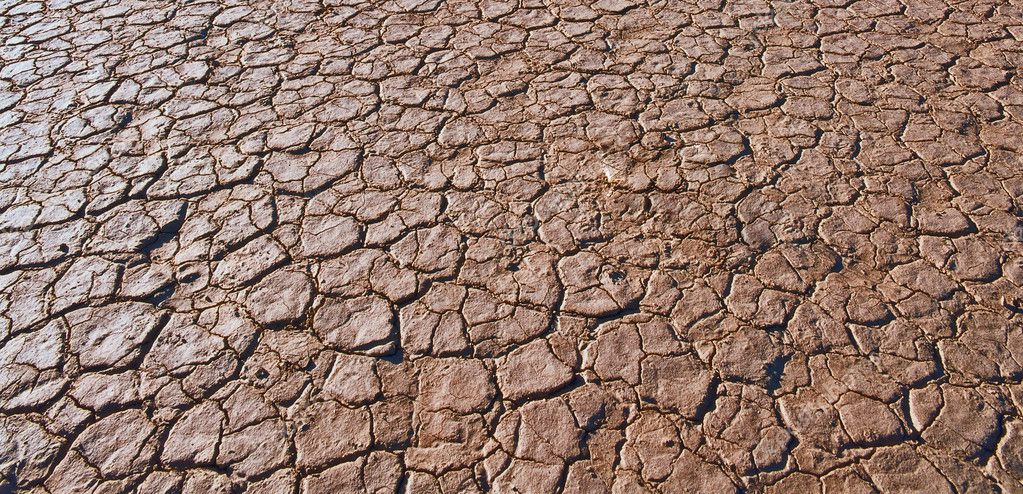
column 529, row 246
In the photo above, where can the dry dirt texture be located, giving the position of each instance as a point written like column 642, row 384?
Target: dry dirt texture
column 512, row 246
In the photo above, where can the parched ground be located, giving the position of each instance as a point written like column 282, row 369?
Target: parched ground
column 521, row 246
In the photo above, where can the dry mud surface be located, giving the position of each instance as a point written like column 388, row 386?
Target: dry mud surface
column 535, row 246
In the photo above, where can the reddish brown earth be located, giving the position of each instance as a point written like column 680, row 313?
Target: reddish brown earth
column 458, row 246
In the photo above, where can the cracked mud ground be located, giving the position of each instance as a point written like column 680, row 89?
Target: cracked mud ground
column 458, row 246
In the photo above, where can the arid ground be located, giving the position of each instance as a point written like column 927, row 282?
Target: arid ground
column 514, row 246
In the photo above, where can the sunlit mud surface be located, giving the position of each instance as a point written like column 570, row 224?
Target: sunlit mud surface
column 458, row 246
